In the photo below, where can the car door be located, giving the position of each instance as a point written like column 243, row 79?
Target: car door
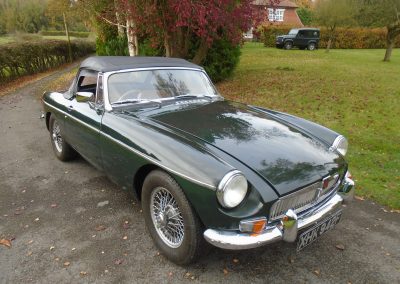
column 83, row 123
column 299, row 39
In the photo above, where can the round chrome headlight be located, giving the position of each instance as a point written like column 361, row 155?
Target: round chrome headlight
column 232, row 189
column 340, row 144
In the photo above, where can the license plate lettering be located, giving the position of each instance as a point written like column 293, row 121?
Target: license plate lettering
column 312, row 234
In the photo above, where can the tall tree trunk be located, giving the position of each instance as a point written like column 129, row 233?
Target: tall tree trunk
column 167, row 46
column 389, row 48
column 133, row 45
column 120, row 27
column 121, row 31
column 201, row 52
column 329, row 44
column 68, row 38
column 392, row 32
column 330, row 40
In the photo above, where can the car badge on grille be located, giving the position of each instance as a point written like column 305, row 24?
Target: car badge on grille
column 326, row 184
column 329, row 181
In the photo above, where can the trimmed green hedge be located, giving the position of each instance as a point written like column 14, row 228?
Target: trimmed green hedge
column 62, row 33
column 345, row 38
column 18, row 59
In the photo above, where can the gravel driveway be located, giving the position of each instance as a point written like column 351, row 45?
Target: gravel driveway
column 69, row 223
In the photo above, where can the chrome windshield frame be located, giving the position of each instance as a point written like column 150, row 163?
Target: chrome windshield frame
column 108, row 106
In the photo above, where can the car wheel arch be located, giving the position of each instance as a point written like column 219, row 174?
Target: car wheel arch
column 140, row 176
column 48, row 114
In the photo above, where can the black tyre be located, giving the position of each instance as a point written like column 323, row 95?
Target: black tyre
column 288, row 45
column 312, row 46
column 61, row 149
column 170, row 219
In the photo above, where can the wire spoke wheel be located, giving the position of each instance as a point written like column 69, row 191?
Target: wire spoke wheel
column 167, row 217
column 56, row 136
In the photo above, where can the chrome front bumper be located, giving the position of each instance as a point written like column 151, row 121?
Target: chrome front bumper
column 286, row 230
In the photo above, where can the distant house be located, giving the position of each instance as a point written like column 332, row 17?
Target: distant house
column 282, row 14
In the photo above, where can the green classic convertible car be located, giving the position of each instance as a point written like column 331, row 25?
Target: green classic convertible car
column 204, row 168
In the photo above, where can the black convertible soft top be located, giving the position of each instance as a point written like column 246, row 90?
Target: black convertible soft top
column 115, row 63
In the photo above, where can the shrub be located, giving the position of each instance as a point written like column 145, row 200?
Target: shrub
column 113, row 46
column 221, row 60
column 62, row 33
column 17, row 59
column 344, row 38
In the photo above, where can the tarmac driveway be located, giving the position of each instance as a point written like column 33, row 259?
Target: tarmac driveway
column 69, row 223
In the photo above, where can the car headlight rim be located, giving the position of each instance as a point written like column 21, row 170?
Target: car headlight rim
column 228, row 195
column 340, row 145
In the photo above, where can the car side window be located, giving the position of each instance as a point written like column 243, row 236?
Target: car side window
column 300, row 34
column 87, row 82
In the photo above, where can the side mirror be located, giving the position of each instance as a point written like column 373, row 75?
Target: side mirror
column 82, row 97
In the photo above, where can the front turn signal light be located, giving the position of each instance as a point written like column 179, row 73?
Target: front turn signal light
column 253, row 226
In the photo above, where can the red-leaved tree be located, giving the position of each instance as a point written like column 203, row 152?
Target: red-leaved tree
column 186, row 28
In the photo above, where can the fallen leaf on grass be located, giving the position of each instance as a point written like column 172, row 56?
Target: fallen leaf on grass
column 225, row 271
column 170, row 274
column 37, row 219
column 100, row 228
column 125, row 238
column 340, row 247
column 5, row 242
column 53, row 205
column 359, row 198
column 67, row 263
column 73, row 249
column 395, row 211
column 235, row 260
column 118, row 261
column 29, row 253
column 51, row 248
column 83, row 273
column 317, row 272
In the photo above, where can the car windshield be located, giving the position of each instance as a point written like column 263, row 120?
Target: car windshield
column 293, row 31
column 139, row 86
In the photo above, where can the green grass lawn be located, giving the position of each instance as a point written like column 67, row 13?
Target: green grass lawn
column 351, row 91
column 7, row 39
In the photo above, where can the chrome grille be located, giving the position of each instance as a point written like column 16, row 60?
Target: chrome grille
column 302, row 199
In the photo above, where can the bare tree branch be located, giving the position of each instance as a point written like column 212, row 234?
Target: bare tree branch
column 105, row 19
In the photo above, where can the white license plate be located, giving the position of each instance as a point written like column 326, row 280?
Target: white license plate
column 312, row 234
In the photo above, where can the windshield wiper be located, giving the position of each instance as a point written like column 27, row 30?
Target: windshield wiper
column 137, row 103
column 189, row 96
